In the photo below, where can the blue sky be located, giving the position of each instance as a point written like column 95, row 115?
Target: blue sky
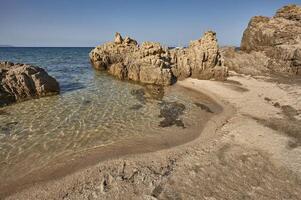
column 91, row 22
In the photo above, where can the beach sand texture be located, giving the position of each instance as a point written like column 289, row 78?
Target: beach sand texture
column 249, row 151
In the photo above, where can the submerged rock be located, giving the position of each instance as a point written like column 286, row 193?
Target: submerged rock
column 150, row 63
column 148, row 93
column 8, row 127
column 277, row 38
column 21, row 82
column 171, row 111
column 139, row 94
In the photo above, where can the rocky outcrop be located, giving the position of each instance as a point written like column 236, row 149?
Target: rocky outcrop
column 125, row 59
column 21, row 82
column 200, row 60
column 252, row 63
column 290, row 12
column 151, row 63
column 279, row 38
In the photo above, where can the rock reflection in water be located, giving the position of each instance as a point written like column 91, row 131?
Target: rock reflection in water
column 148, row 93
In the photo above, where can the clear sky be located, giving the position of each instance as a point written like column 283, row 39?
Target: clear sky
column 91, row 22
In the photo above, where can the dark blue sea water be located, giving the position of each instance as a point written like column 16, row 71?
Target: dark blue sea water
column 93, row 110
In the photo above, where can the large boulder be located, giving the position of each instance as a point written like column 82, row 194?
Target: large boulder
column 279, row 38
column 200, row 60
column 150, row 63
column 19, row 82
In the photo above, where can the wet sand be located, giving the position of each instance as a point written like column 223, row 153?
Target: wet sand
column 239, row 154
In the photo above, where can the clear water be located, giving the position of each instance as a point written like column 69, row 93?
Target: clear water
column 93, row 110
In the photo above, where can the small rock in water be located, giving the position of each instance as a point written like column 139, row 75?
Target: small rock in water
column 86, row 102
column 155, row 91
column 7, row 128
column 171, row 111
column 139, row 95
column 149, row 92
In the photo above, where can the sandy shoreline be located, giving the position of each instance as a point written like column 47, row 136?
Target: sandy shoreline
column 61, row 166
column 238, row 155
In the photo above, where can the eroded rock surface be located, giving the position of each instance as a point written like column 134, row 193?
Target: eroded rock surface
column 21, row 82
column 251, row 63
column 278, row 38
column 200, row 60
column 151, row 63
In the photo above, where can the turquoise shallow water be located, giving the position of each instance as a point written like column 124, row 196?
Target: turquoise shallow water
column 93, row 110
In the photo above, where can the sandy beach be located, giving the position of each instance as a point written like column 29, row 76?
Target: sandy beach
column 248, row 151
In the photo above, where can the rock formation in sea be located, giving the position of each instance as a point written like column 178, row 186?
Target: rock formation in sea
column 272, row 43
column 151, row 63
column 20, row 82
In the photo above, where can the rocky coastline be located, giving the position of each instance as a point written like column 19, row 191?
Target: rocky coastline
column 150, row 63
column 270, row 45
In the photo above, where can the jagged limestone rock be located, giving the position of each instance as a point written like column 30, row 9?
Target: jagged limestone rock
column 200, row 60
column 279, row 38
column 150, row 63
